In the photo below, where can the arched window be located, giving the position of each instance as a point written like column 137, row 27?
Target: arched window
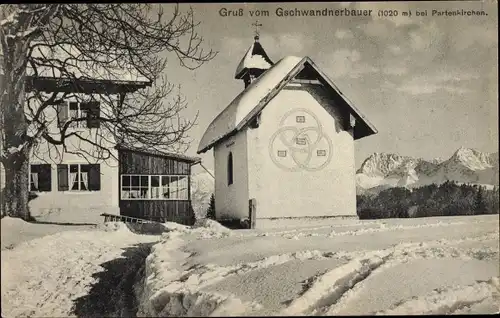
column 230, row 169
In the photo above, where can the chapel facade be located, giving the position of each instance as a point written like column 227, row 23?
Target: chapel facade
column 284, row 147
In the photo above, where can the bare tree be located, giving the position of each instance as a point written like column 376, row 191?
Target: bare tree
column 83, row 46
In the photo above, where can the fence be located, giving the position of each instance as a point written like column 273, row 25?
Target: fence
column 123, row 218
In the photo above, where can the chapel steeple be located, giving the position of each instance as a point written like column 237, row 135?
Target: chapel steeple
column 255, row 62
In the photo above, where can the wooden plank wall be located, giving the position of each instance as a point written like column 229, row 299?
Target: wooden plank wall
column 179, row 211
column 138, row 163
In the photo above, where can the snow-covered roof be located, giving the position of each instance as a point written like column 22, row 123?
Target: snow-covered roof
column 256, row 96
column 81, row 66
column 255, row 57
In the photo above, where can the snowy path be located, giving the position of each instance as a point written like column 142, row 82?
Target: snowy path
column 426, row 266
column 60, row 274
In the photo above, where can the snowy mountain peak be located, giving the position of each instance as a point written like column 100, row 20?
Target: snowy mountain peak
column 437, row 160
column 382, row 164
column 464, row 152
column 472, row 158
column 466, row 165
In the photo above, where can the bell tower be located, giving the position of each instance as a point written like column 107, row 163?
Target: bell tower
column 255, row 62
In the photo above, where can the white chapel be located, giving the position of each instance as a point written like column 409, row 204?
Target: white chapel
column 284, row 147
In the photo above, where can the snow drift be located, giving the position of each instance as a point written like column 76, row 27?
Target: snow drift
column 46, row 276
column 195, row 272
column 163, row 293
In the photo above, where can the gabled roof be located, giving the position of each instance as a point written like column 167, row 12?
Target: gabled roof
column 255, row 58
column 162, row 154
column 258, row 94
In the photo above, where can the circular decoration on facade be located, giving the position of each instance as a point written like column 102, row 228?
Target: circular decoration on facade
column 300, row 144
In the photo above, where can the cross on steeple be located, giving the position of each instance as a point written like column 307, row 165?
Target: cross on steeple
column 257, row 25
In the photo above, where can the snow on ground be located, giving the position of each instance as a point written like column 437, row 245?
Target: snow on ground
column 15, row 230
column 447, row 265
column 398, row 266
column 50, row 275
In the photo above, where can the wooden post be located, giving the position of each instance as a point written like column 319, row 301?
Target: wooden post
column 1, row 191
column 252, row 212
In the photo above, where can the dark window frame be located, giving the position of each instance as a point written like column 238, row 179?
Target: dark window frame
column 321, row 152
column 230, row 169
column 71, row 109
column 300, row 119
column 301, row 141
column 42, row 170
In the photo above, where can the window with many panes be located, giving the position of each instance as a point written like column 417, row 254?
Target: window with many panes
column 154, row 187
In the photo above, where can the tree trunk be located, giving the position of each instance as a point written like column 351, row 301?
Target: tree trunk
column 16, row 151
column 17, row 187
column 15, row 148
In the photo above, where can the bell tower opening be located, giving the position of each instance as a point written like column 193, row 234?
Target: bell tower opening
column 255, row 62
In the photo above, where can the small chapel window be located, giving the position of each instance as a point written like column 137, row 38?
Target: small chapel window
column 321, row 152
column 300, row 141
column 230, row 169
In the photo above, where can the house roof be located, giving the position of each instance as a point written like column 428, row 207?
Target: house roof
column 255, row 58
column 157, row 153
column 258, row 94
column 82, row 85
column 86, row 77
column 82, row 67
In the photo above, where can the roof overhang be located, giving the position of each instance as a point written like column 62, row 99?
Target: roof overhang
column 363, row 126
column 161, row 154
column 362, row 129
column 83, row 85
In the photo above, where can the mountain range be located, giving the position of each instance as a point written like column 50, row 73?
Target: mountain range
column 384, row 170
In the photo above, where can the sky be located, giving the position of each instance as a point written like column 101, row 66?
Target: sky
column 429, row 84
